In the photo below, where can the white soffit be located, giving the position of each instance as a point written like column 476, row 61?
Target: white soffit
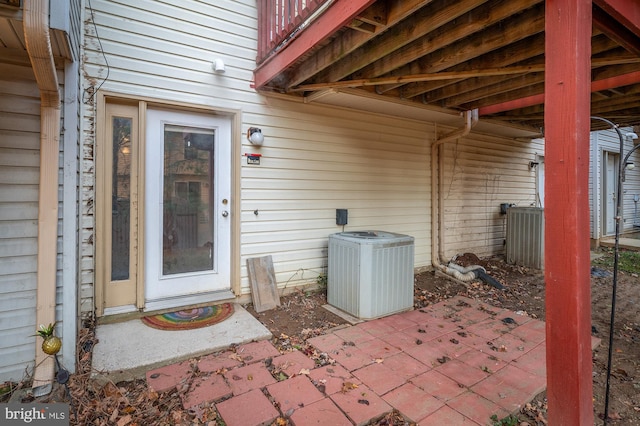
column 363, row 101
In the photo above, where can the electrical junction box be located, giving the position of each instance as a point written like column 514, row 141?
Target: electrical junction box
column 341, row 216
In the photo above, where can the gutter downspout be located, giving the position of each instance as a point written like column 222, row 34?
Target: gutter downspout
column 437, row 197
column 38, row 42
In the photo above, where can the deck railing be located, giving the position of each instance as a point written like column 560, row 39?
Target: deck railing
column 280, row 20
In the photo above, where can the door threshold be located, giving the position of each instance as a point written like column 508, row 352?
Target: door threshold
column 129, row 312
column 189, row 300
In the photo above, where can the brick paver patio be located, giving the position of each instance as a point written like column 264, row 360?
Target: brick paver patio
column 457, row 362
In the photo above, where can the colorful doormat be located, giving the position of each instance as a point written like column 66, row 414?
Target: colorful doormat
column 190, row 318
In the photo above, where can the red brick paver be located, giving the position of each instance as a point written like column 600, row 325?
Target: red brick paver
column 332, row 378
column 380, row 378
column 292, row 363
column 361, row 404
column 256, row 351
column 252, row 408
column 252, row 376
column 165, row 378
column 294, row 393
column 215, row 363
column 477, row 408
column 206, row 389
column 412, row 401
column 447, row 416
column 321, row 413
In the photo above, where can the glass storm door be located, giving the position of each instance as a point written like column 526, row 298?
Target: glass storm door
column 187, row 190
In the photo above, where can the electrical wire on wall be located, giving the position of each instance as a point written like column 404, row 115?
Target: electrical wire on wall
column 91, row 91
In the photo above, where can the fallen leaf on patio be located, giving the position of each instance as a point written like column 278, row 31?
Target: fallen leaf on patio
column 443, row 359
column 281, row 422
column 347, row 386
column 177, row 416
column 124, row 421
column 305, row 371
column 236, row 357
column 114, row 415
column 614, row 416
column 379, row 360
column 249, row 376
column 540, row 418
column 621, row 372
column 110, row 390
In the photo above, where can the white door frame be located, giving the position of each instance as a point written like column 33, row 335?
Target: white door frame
column 103, row 203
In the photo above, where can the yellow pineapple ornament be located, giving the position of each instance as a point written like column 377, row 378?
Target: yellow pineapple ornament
column 51, row 344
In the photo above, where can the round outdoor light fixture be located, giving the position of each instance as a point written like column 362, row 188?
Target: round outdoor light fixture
column 255, row 136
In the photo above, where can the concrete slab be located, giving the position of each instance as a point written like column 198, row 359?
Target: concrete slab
column 126, row 350
column 626, row 241
column 342, row 314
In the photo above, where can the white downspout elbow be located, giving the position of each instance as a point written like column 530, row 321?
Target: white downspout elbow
column 437, row 219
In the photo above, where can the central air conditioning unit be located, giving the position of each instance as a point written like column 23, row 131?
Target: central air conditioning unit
column 370, row 273
column 525, row 236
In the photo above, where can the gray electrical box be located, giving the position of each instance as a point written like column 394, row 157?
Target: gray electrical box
column 341, row 216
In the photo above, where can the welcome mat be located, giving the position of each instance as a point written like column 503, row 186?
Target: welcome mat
column 190, row 318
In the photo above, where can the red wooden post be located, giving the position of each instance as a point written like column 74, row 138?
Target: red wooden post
column 567, row 272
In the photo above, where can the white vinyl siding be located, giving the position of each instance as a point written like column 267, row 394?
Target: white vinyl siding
column 315, row 159
column 19, row 183
column 480, row 174
column 19, row 174
column 608, row 141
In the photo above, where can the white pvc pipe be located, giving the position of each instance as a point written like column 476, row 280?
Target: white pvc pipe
column 437, row 163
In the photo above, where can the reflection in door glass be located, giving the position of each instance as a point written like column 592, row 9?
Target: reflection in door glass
column 188, row 189
column 121, row 198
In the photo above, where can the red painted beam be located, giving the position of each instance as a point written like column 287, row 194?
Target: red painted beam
column 340, row 13
column 604, row 84
column 567, row 271
column 511, row 105
column 627, row 12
